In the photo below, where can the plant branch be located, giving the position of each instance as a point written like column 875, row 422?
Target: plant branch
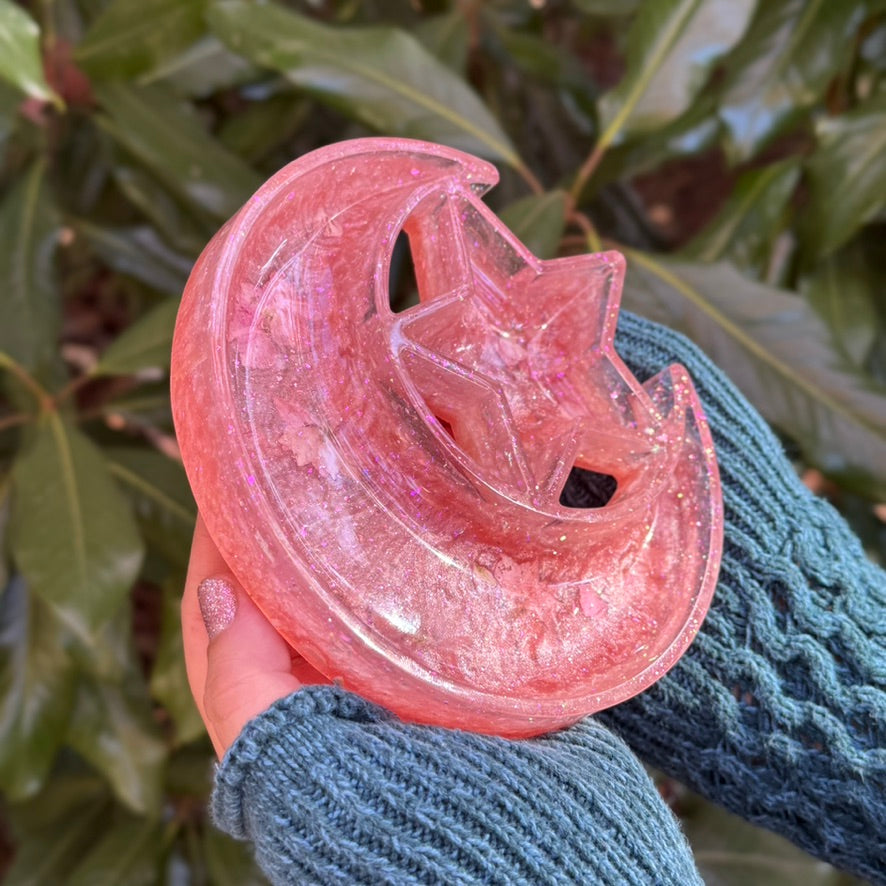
column 591, row 237
column 529, row 177
column 40, row 394
column 12, row 421
column 588, row 168
column 72, row 387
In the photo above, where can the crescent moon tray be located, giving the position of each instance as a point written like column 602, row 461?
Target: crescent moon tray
column 387, row 485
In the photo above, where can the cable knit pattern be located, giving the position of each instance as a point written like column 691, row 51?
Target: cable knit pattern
column 777, row 711
column 333, row 789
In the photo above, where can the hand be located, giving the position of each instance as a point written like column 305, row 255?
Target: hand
column 238, row 665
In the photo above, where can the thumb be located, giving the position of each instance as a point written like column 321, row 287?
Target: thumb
column 248, row 664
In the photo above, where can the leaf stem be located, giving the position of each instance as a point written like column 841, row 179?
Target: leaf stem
column 47, row 22
column 589, row 167
column 12, row 421
column 529, row 177
column 591, row 237
column 665, row 42
column 104, row 410
column 40, row 394
column 72, row 387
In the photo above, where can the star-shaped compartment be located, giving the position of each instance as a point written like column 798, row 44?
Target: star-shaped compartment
column 516, row 355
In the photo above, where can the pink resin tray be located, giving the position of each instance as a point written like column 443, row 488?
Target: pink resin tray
column 386, row 486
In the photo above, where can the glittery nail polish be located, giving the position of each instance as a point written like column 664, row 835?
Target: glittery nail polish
column 218, row 604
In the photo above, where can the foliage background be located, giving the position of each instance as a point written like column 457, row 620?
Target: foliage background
column 734, row 149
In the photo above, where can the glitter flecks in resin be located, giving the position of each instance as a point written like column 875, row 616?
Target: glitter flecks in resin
column 386, row 486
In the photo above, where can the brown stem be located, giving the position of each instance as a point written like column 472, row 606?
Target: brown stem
column 588, row 168
column 11, row 421
column 71, row 388
column 592, row 238
column 40, row 394
column 529, row 177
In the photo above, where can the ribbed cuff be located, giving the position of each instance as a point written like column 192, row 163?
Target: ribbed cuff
column 332, row 789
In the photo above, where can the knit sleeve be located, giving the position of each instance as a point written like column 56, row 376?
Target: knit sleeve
column 332, row 789
column 778, row 709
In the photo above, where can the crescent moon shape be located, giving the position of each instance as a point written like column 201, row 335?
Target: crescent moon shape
column 387, row 485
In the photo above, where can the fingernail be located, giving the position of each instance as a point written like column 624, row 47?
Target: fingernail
column 218, row 604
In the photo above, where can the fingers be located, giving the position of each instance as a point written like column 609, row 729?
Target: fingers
column 247, row 661
column 237, row 664
column 205, row 561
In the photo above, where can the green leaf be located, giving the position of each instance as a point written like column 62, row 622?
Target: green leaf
column 112, row 729
column 265, row 125
column 204, row 68
column 173, row 222
column 847, row 175
column 72, row 534
column 80, row 172
column 160, row 496
column 147, row 405
column 695, row 131
column 873, row 46
column 230, row 863
column 4, row 526
column 165, row 135
column 139, row 252
column 447, row 37
column 73, row 789
column 190, row 770
column 538, row 221
column 47, row 854
column 746, row 228
column 146, row 344
column 129, row 38
column 843, row 290
column 672, row 47
column 777, row 350
column 20, row 61
column 36, row 690
column 110, row 654
column 169, row 678
column 128, row 852
column 380, row 76
column 10, row 99
column 607, row 7
column 731, row 852
column 792, row 51
column 29, row 300
column 549, row 63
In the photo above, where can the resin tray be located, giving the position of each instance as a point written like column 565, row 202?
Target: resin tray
column 387, row 485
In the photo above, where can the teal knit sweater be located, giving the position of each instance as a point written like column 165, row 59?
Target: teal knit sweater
column 777, row 711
